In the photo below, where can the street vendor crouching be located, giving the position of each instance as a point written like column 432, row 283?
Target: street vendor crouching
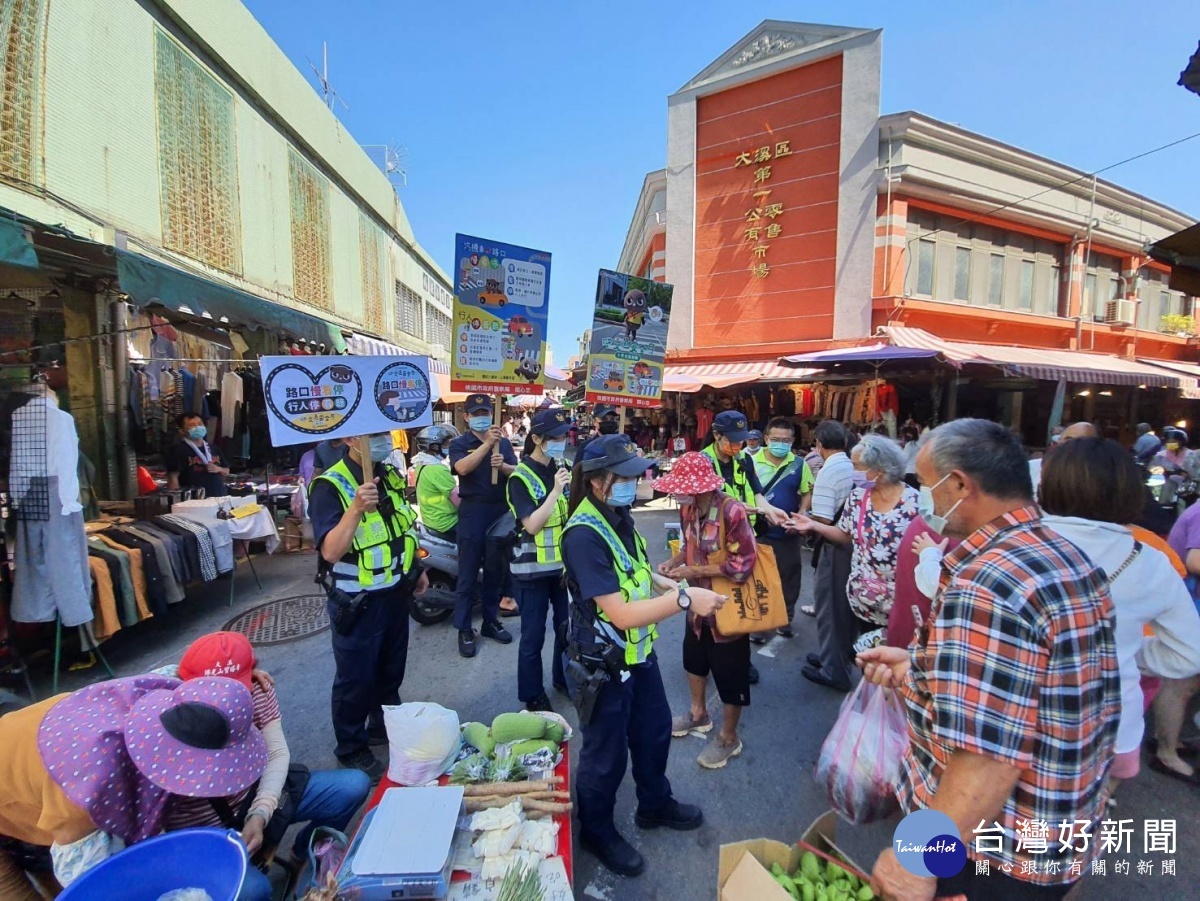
column 83, row 775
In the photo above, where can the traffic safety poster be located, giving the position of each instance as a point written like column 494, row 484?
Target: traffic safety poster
column 629, row 341
column 500, row 309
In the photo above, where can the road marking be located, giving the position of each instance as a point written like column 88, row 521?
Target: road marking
column 771, row 648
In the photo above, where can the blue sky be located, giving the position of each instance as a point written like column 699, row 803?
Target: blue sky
column 534, row 122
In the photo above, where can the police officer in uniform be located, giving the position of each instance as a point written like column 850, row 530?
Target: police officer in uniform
column 617, row 599
column 727, row 452
column 607, row 421
column 363, row 528
column 537, row 498
column 473, row 457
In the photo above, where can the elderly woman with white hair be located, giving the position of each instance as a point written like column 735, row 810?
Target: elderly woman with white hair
column 874, row 520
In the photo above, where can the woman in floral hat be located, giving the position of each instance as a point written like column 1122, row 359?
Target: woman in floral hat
column 712, row 522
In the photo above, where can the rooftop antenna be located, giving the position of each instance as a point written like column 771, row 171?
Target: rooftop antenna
column 391, row 161
column 322, row 74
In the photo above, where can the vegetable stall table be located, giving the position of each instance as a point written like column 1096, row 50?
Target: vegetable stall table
column 563, row 770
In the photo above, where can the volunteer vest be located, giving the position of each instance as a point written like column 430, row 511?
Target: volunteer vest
column 383, row 549
column 740, row 490
column 634, row 576
column 783, row 491
column 540, row 554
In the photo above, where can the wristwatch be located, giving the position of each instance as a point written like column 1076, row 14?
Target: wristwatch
column 685, row 599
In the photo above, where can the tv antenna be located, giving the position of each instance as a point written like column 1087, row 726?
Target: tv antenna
column 322, row 74
column 390, row 160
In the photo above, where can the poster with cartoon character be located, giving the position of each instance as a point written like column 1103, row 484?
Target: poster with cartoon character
column 313, row 398
column 629, row 340
column 500, row 308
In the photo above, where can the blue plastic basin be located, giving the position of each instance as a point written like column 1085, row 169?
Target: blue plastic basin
column 210, row 859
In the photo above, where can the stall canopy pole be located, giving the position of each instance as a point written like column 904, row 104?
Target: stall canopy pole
column 496, row 414
column 126, row 463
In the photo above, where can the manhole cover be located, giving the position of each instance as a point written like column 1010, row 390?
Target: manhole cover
column 283, row 620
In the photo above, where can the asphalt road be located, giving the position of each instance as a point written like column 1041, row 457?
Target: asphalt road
column 766, row 792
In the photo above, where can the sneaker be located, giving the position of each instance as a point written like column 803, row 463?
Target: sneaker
column 686, row 724
column 617, row 855
column 814, row 660
column 496, row 632
column 540, row 703
column 680, row 817
column 466, row 642
column 785, row 632
column 758, row 638
column 718, row 752
column 364, row 760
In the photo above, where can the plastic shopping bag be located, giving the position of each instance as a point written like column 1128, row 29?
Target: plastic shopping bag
column 860, row 759
column 424, row 741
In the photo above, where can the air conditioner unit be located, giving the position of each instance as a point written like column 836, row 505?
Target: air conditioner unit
column 1120, row 312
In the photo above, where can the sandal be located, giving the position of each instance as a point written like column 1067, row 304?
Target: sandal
column 1159, row 767
column 1184, row 749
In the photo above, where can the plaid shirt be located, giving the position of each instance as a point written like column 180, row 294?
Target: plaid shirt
column 1017, row 663
column 702, row 542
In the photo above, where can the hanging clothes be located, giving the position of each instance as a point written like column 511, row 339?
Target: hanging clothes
column 174, row 547
column 127, row 604
column 107, row 622
column 156, row 595
column 163, row 587
column 231, row 402
column 208, row 558
column 52, row 573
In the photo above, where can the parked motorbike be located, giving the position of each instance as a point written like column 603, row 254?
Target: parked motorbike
column 439, row 557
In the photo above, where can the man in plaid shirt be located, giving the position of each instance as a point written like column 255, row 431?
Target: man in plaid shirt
column 1012, row 686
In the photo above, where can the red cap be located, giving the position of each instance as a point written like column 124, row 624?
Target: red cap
column 225, row 654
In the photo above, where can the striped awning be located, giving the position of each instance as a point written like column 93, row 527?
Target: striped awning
column 1190, row 383
column 724, row 375
column 1041, row 363
column 366, row 346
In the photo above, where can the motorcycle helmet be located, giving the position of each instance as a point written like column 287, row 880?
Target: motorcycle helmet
column 1175, row 435
column 431, row 439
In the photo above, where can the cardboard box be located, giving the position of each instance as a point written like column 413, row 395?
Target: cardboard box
column 744, row 871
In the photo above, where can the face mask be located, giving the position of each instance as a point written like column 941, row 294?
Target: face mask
column 623, row 494
column 925, row 508
column 480, row 423
column 752, row 446
column 1172, row 446
column 608, row 428
column 445, row 453
column 555, row 450
column 197, row 433
column 381, row 446
column 862, row 481
column 779, row 449
column 729, row 448
column 684, row 500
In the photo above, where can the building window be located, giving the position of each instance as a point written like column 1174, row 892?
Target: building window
column 962, row 273
column 995, row 279
column 21, row 24
column 312, row 253
column 925, row 254
column 437, row 327
column 409, row 316
column 197, row 159
column 372, row 265
column 1025, row 293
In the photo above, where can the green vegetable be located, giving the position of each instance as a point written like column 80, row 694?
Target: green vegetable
column 521, row 884
column 807, row 891
column 532, row 746
column 479, row 737
column 555, row 732
column 865, row 894
column 810, row 866
column 833, row 872
column 469, row 770
column 508, row 727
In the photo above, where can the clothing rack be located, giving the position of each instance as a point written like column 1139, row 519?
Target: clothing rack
column 192, row 360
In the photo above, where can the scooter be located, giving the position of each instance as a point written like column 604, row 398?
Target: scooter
column 439, row 558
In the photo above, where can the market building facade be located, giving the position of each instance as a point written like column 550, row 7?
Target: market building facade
column 190, row 171
column 792, row 218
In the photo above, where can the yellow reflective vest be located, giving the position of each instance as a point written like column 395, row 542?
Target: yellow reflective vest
column 540, row 554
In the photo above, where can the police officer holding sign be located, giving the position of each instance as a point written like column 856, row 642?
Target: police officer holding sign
column 473, row 457
column 537, row 498
column 617, row 599
column 368, row 566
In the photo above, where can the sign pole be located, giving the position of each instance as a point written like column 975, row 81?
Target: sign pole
column 621, row 422
column 496, row 422
column 363, row 444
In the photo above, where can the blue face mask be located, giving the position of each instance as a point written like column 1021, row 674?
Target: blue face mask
column 381, row 446
column 480, row 423
column 623, row 494
column 555, row 450
column 779, row 449
column 197, row 433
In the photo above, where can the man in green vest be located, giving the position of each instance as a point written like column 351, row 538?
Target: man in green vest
column 363, row 529
column 435, row 485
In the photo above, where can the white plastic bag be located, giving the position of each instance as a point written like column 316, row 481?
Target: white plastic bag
column 860, row 759
column 424, row 742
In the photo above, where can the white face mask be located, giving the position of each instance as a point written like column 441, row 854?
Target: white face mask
column 925, row 508
column 684, row 499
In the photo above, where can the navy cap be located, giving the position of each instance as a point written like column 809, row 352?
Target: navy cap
column 551, row 423
column 615, row 454
column 478, row 402
column 602, row 410
column 754, row 435
column 733, row 425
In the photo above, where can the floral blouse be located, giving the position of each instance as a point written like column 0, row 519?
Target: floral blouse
column 872, row 585
column 702, row 537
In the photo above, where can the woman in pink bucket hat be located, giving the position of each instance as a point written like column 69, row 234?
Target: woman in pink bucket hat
column 708, row 514
column 84, row 774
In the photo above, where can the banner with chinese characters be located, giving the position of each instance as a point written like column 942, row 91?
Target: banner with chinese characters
column 629, row 341
column 314, row 398
column 763, row 223
column 503, row 296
